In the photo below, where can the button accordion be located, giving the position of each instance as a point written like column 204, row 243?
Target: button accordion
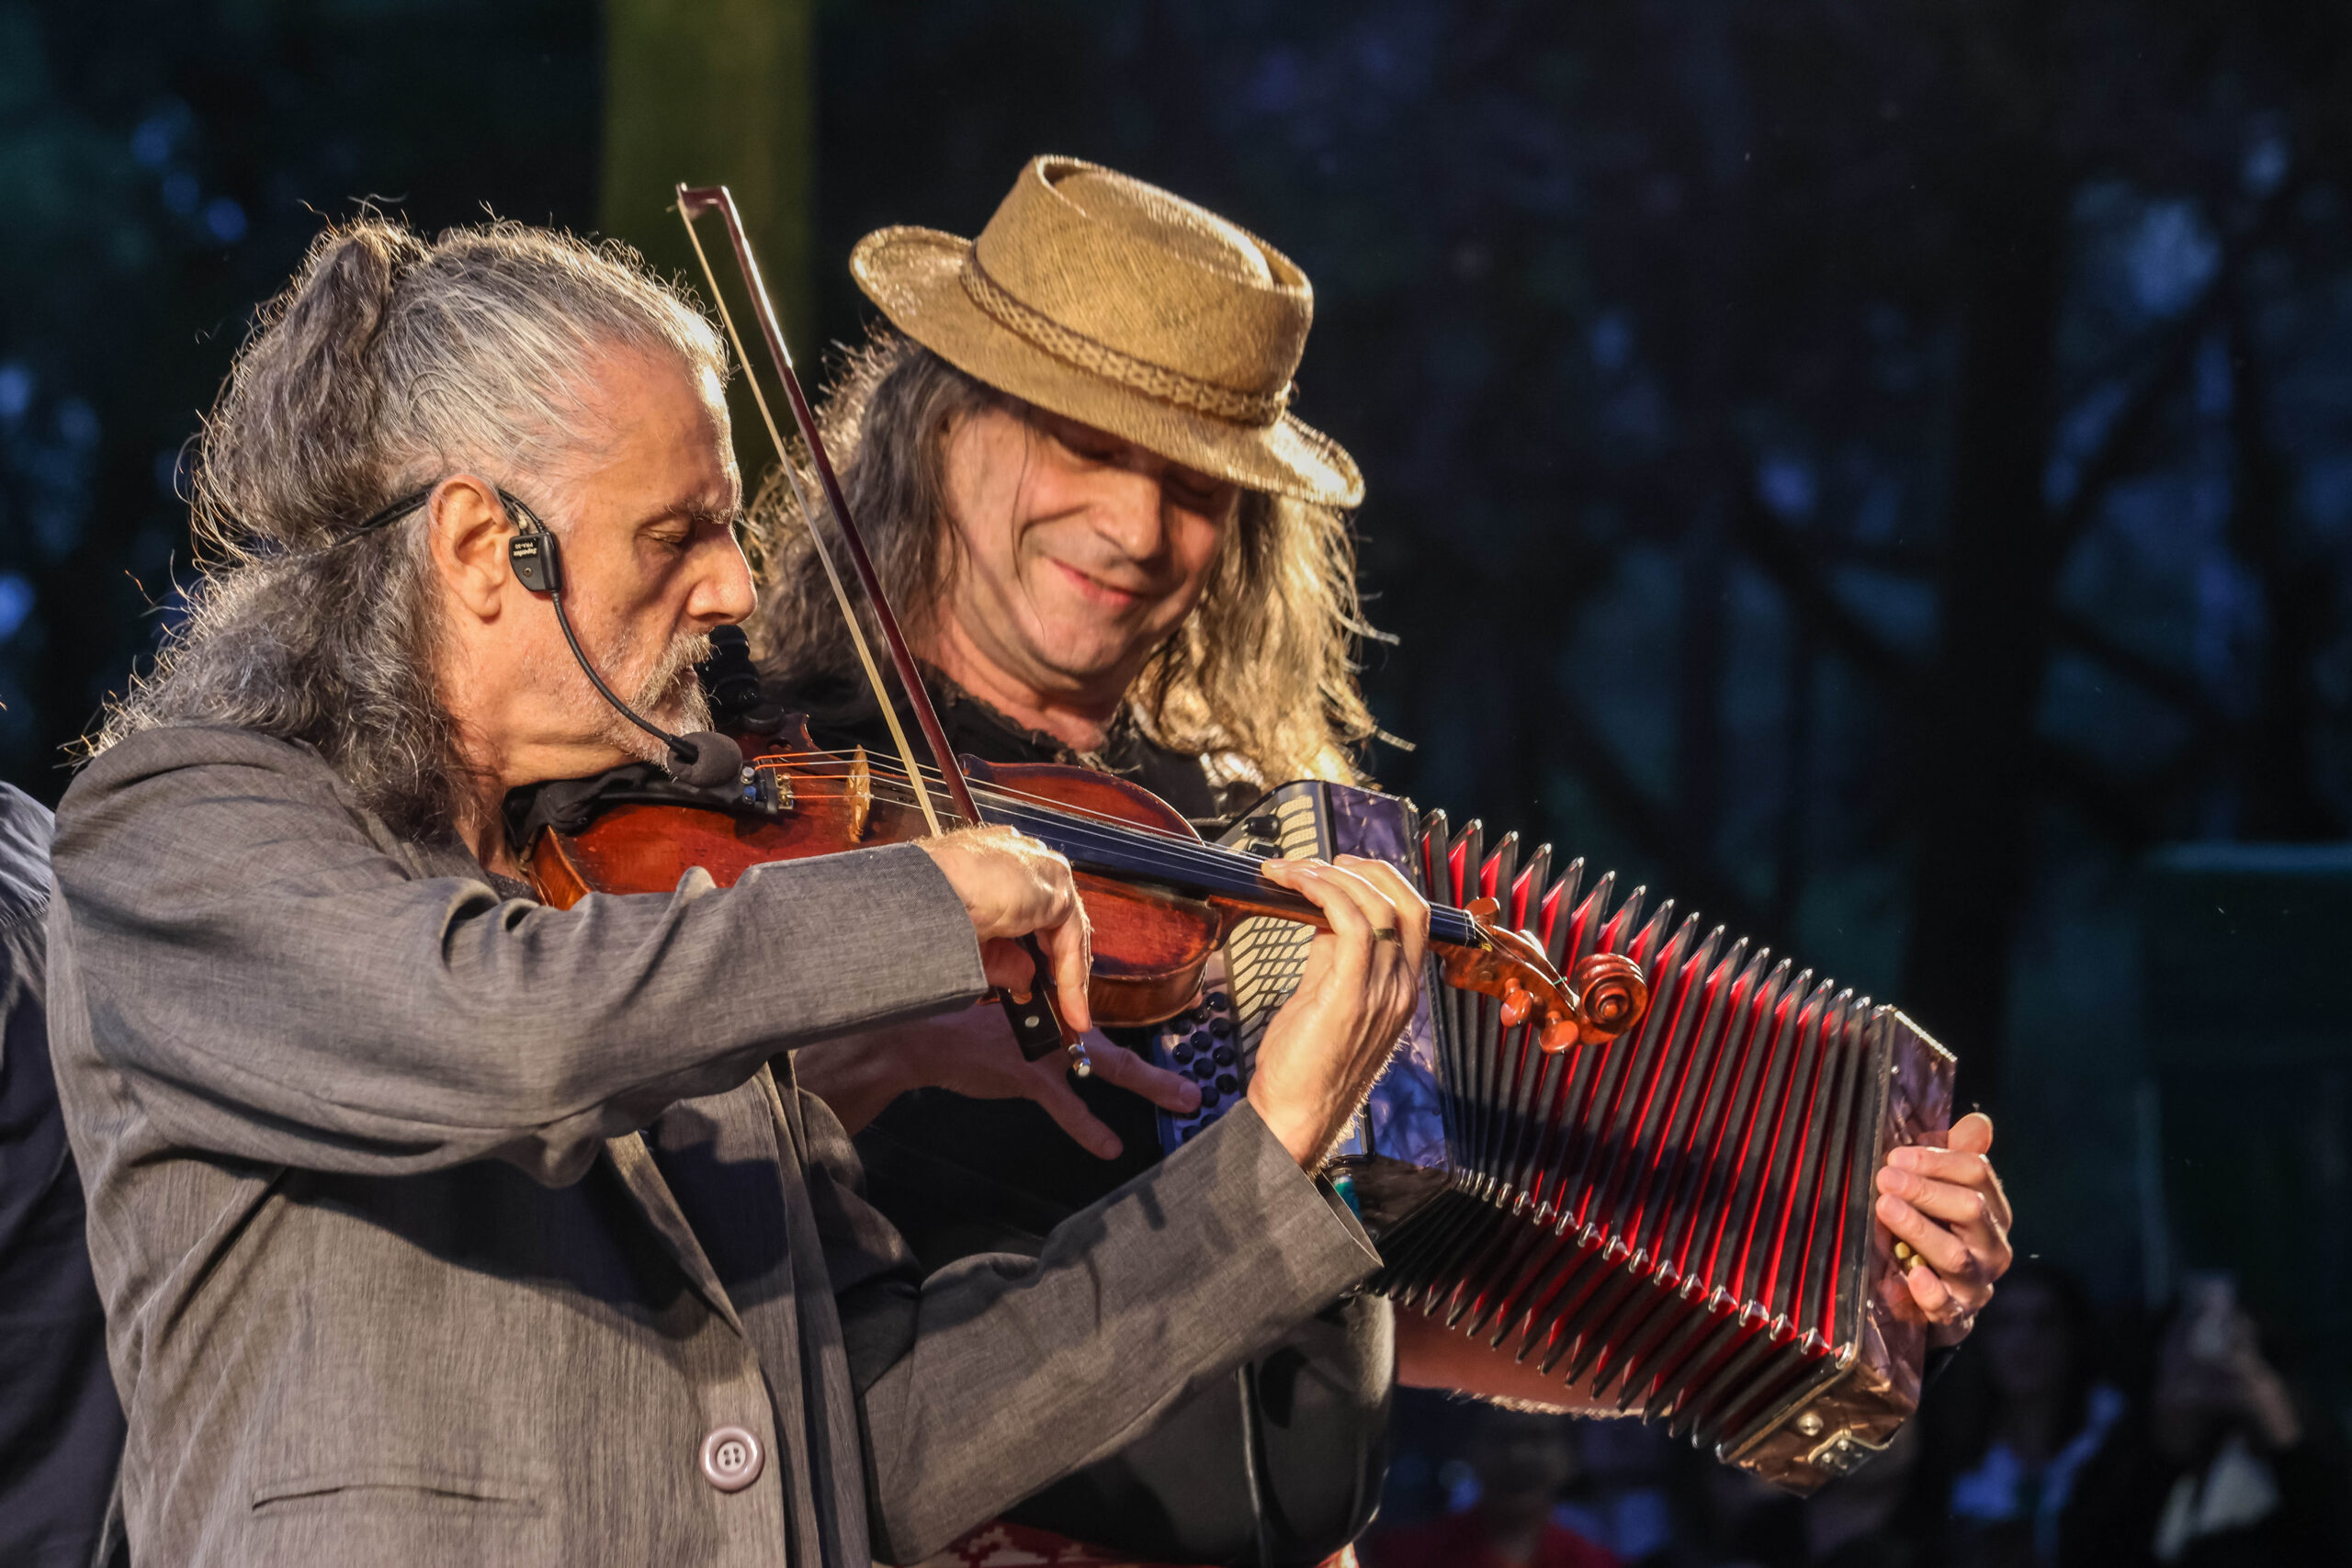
column 1676, row 1223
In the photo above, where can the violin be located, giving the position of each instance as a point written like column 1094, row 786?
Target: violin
column 1160, row 897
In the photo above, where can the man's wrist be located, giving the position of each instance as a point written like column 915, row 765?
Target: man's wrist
column 1304, row 1135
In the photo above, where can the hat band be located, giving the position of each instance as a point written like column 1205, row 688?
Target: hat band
column 1102, row 359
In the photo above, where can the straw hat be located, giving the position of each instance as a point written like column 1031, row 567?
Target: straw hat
column 1114, row 303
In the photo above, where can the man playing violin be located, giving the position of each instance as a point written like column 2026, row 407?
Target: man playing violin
column 436, row 1224
column 1115, row 545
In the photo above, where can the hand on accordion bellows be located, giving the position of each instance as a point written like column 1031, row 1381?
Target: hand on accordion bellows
column 1947, row 1205
column 1329, row 1042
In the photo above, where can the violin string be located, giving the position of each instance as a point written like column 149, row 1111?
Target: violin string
column 1066, row 808
column 1109, row 831
column 1210, row 863
column 1003, row 792
column 1210, row 858
column 1168, row 836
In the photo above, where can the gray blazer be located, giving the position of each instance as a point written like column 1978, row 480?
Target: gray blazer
column 436, row 1226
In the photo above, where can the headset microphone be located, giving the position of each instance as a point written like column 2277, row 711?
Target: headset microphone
column 704, row 760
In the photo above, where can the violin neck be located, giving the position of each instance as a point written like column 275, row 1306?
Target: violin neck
column 1448, row 929
column 1227, row 878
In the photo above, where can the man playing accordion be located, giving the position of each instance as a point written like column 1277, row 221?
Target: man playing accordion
column 1113, row 545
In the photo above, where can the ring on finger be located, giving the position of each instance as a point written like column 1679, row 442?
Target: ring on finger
column 1387, row 933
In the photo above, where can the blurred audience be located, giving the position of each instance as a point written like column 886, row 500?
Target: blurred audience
column 2011, row 1427
column 1620, row 1499
column 2041, row 1446
column 1521, row 1463
column 1724, row 1517
column 2228, row 1469
column 1857, row 1521
column 1727, row 1519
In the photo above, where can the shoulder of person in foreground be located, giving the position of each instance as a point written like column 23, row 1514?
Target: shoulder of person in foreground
column 296, row 984
column 25, row 825
column 60, row 1422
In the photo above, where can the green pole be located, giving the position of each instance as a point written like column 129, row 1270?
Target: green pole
column 716, row 91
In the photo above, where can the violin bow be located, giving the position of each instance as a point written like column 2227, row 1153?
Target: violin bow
column 1036, row 1023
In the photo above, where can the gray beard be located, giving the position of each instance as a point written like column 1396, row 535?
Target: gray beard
column 668, row 695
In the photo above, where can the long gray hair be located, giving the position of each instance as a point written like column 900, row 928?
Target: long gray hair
column 389, row 363
column 1261, row 676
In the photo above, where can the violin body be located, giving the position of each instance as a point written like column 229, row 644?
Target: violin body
column 1150, row 943
column 1160, row 898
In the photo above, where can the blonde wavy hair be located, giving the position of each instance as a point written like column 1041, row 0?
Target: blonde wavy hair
column 1261, row 678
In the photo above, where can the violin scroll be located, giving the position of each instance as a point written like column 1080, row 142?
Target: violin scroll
column 1613, row 994
column 1606, row 997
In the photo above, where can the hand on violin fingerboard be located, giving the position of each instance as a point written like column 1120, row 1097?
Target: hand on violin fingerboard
column 1323, row 1050
column 1014, row 887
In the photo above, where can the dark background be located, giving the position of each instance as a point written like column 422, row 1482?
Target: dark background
column 1875, row 472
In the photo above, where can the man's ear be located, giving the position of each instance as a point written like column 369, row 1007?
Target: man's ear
column 468, row 535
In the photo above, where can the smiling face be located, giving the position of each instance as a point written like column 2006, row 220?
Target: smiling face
column 1079, row 554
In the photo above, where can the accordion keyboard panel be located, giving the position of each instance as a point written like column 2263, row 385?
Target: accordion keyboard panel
column 1215, row 1041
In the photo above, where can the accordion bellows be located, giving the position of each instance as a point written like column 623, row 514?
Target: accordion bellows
column 1677, row 1222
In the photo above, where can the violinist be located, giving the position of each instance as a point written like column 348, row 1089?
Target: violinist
column 436, row 1225
column 1114, row 545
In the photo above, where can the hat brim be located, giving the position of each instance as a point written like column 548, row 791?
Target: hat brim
column 915, row 276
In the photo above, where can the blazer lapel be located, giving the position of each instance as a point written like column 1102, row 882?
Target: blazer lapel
column 638, row 1172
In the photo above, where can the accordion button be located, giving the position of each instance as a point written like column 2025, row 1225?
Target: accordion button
column 1209, row 1097
column 1219, row 1000
column 1227, row 1082
column 1183, row 1053
column 1220, row 1027
column 1223, row 1055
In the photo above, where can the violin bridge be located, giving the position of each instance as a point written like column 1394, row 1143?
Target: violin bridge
column 861, row 794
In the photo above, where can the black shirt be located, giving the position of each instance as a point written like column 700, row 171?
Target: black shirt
column 960, row 1176
column 61, row 1425
column 963, row 1176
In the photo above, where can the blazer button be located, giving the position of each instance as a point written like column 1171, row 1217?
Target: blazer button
column 731, row 1458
